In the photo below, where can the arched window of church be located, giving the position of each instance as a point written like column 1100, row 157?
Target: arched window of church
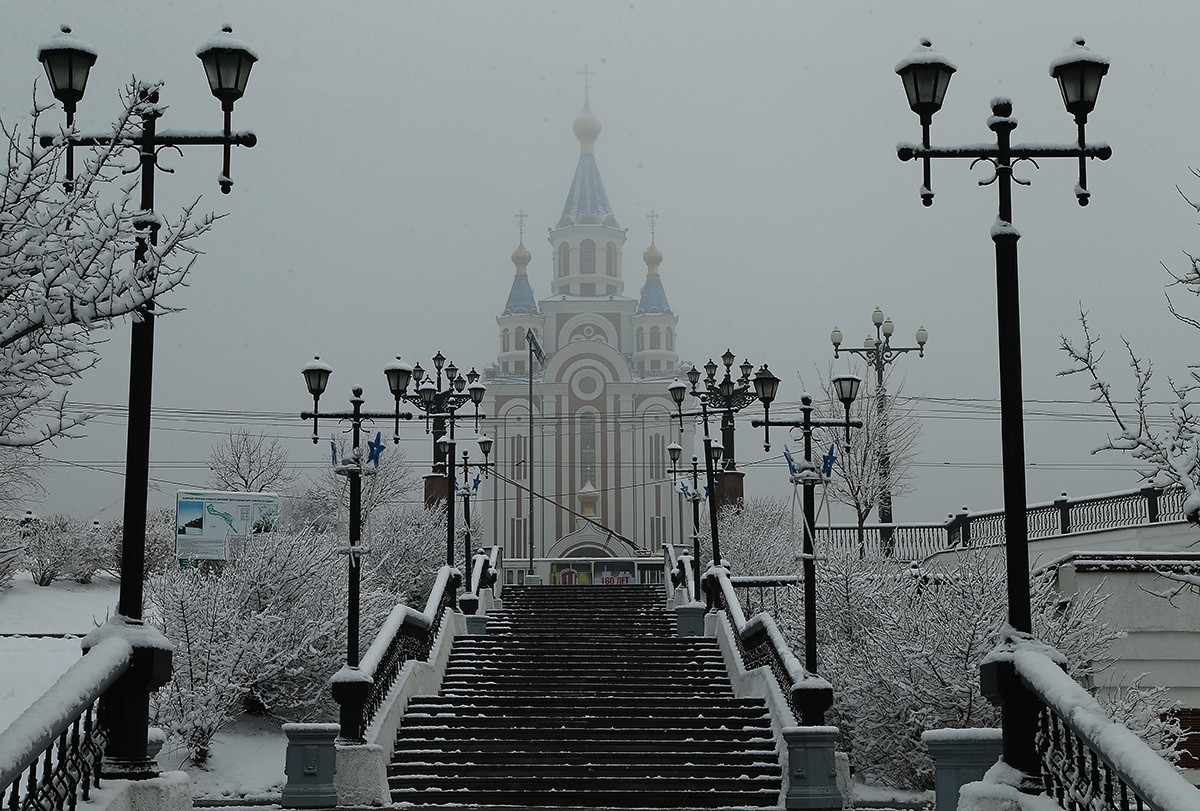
column 610, row 259
column 587, row 447
column 504, row 343
column 655, row 338
column 520, row 336
column 564, row 259
column 587, row 256
column 641, row 339
column 670, row 339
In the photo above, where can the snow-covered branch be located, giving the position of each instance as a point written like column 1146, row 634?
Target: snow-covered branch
column 68, row 267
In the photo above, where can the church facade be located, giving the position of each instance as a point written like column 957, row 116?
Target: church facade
column 601, row 410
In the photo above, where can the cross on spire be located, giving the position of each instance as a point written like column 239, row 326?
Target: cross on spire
column 587, row 74
column 521, row 216
column 652, row 217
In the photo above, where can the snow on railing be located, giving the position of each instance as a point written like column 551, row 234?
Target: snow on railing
column 406, row 634
column 485, row 568
column 678, row 571
column 1088, row 760
column 57, row 742
column 760, row 643
column 1064, row 515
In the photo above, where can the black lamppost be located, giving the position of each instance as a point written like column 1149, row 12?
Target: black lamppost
column 67, row 61
column 348, row 691
column 926, row 75
column 693, row 495
column 440, row 405
column 879, row 352
column 814, row 702
column 730, row 401
column 727, row 396
column 485, row 447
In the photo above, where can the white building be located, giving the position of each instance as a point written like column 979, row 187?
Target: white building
column 601, row 410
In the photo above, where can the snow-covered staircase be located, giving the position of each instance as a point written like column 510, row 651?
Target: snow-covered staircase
column 583, row 696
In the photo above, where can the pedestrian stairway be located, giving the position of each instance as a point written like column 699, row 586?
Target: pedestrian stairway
column 583, row 696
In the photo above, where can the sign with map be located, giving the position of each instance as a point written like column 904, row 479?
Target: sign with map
column 211, row 525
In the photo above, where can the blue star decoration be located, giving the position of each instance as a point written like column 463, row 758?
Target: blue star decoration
column 375, row 448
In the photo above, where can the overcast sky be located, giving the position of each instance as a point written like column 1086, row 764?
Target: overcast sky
column 397, row 141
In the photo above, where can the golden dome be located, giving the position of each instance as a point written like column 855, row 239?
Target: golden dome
column 653, row 257
column 521, row 257
column 587, row 129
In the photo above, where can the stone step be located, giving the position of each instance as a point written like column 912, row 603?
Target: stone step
column 597, row 785
column 762, row 757
column 679, row 703
column 451, row 719
column 632, row 770
column 581, row 738
column 551, row 798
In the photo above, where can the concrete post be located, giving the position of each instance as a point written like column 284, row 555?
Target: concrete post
column 689, row 619
column 812, row 769
column 309, row 766
column 960, row 756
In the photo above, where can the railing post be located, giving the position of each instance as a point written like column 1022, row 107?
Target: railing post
column 965, row 529
column 1151, row 495
column 350, row 688
column 1019, row 707
column 125, row 710
column 1064, row 514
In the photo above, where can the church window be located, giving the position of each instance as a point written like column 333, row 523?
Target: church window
column 516, row 455
column 520, row 336
column 641, row 339
column 564, row 259
column 505, row 340
column 587, row 256
column 670, row 339
column 610, row 259
column 587, row 448
column 654, row 366
column 655, row 338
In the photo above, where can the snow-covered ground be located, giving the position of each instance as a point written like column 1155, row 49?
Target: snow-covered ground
column 247, row 758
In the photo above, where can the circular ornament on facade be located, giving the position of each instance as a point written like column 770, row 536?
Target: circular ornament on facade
column 589, row 331
column 587, row 385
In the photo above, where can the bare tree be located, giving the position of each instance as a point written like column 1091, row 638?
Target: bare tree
column 249, row 463
column 67, row 267
column 19, row 482
column 860, row 476
column 325, row 496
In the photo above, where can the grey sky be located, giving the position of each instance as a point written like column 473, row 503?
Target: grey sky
column 397, row 140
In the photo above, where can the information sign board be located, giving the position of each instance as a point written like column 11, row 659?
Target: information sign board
column 212, row 525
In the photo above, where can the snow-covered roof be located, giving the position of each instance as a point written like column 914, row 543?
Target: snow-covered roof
column 587, row 201
column 520, row 297
column 654, row 297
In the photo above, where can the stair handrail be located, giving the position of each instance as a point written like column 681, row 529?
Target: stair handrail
column 406, row 634
column 59, row 739
column 678, row 571
column 485, row 569
column 1088, row 760
column 760, row 643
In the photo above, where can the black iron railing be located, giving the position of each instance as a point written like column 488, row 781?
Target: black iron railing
column 1089, row 762
column 678, row 572
column 50, row 756
column 762, row 592
column 406, row 635
column 1064, row 515
column 759, row 643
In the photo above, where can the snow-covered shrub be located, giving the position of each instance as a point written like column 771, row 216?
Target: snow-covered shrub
column 160, row 543
column 903, row 646
column 50, row 545
column 408, row 545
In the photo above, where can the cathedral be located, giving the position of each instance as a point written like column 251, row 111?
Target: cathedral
column 601, row 410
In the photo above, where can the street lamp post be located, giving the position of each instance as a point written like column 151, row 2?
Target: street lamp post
column 485, row 447
column 879, row 352
column 815, row 702
column 350, row 687
column 725, row 398
column 67, row 62
column 926, row 76
column 693, row 495
column 440, row 405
